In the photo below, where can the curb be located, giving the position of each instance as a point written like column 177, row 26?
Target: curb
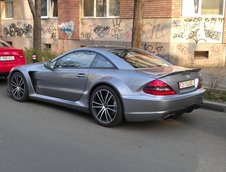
column 220, row 107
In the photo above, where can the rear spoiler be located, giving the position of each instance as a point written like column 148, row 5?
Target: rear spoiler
column 184, row 72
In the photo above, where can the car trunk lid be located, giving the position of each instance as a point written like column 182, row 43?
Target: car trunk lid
column 180, row 79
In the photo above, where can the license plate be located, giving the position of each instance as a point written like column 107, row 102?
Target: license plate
column 6, row 58
column 186, row 84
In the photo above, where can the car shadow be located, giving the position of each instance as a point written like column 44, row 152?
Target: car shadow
column 69, row 111
column 210, row 124
column 3, row 81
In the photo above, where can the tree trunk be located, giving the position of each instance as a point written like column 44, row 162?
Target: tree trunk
column 36, row 13
column 137, row 24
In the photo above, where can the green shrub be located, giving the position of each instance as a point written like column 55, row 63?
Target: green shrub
column 41, row 56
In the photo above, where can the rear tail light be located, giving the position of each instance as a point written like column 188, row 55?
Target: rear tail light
column 200, row 84
column 158, row 87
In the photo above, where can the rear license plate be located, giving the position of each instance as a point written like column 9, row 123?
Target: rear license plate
column 186, row 84
column 6, row 58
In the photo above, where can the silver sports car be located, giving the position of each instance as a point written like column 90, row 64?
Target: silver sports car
column 113, row 84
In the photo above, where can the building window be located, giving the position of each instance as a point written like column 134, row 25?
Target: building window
column 49, row 8
column 203, row 7
column 9, row 11
column 101, row 8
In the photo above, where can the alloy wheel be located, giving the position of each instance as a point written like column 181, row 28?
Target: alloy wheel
column 18, row 87
column 104, row 106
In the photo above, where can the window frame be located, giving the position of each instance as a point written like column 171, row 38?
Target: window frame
column 49, row 10
column 95, row 8
column 12, row 5
column 199, row 14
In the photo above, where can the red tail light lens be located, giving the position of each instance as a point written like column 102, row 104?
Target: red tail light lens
column 158, row 87
column 200, row 85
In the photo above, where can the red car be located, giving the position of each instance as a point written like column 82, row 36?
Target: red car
column 9, row 58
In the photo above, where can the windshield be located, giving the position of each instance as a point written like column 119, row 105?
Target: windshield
column 140, row 59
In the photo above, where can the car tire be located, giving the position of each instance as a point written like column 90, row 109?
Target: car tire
column 106, row 107
column 18, row 87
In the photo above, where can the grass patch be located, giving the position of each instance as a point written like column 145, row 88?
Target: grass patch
column 215, row 95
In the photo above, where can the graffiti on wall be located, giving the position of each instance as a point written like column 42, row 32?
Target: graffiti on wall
column 18, row 29
column 109, row 31
column 198, row 30
column 101, row 30
column 116, row 29
column 154, row 30
column 67, row 28
column 156, row 49
column 49, row 28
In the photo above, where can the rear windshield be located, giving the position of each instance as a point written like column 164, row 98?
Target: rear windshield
column 140, row 59
column 4, row 44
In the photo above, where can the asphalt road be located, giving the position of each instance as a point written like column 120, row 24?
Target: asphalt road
column 38, row 137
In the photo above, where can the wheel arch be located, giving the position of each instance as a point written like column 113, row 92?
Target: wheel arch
column 26, row 77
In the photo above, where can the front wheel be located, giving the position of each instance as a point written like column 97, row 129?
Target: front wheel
column 106, row 107
column 18, row 87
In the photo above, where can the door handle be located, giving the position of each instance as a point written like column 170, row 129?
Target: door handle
column 81, row 75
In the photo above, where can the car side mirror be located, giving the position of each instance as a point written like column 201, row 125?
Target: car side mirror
column 50, row 65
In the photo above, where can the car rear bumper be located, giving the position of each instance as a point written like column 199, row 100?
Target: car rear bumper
column 145, row 108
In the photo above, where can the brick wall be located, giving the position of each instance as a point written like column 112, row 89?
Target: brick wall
column 126, row 9
column 69, row 10
column 157, row 8
column 152, row 8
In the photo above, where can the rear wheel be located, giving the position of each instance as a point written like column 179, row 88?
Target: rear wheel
column 106, row 107
column 18, row 87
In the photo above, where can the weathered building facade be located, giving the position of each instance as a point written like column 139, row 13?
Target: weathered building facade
column 185, row 32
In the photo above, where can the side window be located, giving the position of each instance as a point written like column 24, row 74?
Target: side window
column 101, row 62
column 78, row 59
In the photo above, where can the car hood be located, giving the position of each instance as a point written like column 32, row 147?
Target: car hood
column 166, row 71
column 31, row 67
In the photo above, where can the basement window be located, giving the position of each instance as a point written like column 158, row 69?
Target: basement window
column 201, row 54
column 47, row 46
